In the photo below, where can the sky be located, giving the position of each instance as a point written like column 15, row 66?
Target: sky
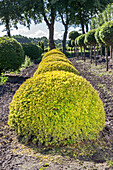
column 39, row 30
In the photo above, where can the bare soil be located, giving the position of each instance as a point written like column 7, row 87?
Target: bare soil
column 17, row 156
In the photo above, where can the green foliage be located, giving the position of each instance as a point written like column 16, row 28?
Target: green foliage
column 55, row 65
column 90, row 38
column 56, row 57
column 54, row 51
column 80, row 40
column 106, row 33
column 32, row 50
column 54, row 107
column 73, row 43
column 3, row 79
column 73, row 35
column 11, row 54
column 97, row 37
column 26, row 63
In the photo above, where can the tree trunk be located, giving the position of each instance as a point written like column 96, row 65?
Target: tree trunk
column 51, row 37
column 50, row 27
column 95, row 56
column 75, row 51
column 110, row 51
column 91, row 55
column 106, row 55
column 101, row 50
column 83, row 30
column 8, row 28
column 87, row 29
column 97, row 50
column 64, row 38
column 84, row 54
column 81, row 53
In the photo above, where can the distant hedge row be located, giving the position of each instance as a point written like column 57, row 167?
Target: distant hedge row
column 56, row 105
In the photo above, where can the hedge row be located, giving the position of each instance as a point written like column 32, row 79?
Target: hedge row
column 56, row 107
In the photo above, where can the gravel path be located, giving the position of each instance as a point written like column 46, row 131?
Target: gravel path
column 16, row 156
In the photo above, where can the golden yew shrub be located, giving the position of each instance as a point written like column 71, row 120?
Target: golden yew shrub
column 55, row 65
column 52, row 52
column 56, row 106
column 56, row 57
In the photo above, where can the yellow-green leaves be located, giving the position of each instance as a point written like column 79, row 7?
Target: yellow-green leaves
column 57, row 106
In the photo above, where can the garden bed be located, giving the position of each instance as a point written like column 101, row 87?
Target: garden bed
column 16, row 156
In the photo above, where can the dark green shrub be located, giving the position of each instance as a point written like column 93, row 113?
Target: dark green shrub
column 32, row 50
column 56, row 106
column 11, row 54
column 106, row 33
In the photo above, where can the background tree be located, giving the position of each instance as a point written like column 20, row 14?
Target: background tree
column 10, row 14
column 105, row 34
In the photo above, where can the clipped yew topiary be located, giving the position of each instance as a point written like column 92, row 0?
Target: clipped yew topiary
column 56, row 57
column 106, row 33
column 11, row 54
column 54, row 107
column 54, row 51
column 91, row 41
column 32, row 50
column 80, row 42
column 55, row 65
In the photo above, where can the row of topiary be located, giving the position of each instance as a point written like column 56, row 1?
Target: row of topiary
column 56, row 105
column 12, row 53
column 100, row 36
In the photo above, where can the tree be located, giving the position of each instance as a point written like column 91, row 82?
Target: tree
column 90, row 40
column 10, row 14
column 105, row 35
column 80, row 42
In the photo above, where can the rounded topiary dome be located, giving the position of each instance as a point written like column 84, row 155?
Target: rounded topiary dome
column 56, row 57
column 56, row 106
column 90, row 38
column 97, row 37
column 54, row 51
column 55, row 65
column 80, row 40
column 11, row 54
column 106, row 33
column 32, row 50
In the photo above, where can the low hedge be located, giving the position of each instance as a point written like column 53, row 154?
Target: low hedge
column 54, row 107
column 55, row 65
column 56, row 57
column 54, row 51
column 32, row 50
column 11, row 54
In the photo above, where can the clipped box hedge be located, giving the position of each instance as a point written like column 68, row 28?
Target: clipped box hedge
column 54, row 51
column 55, row 65
column 56, row 106
column 56, row 57
column 11, row 54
